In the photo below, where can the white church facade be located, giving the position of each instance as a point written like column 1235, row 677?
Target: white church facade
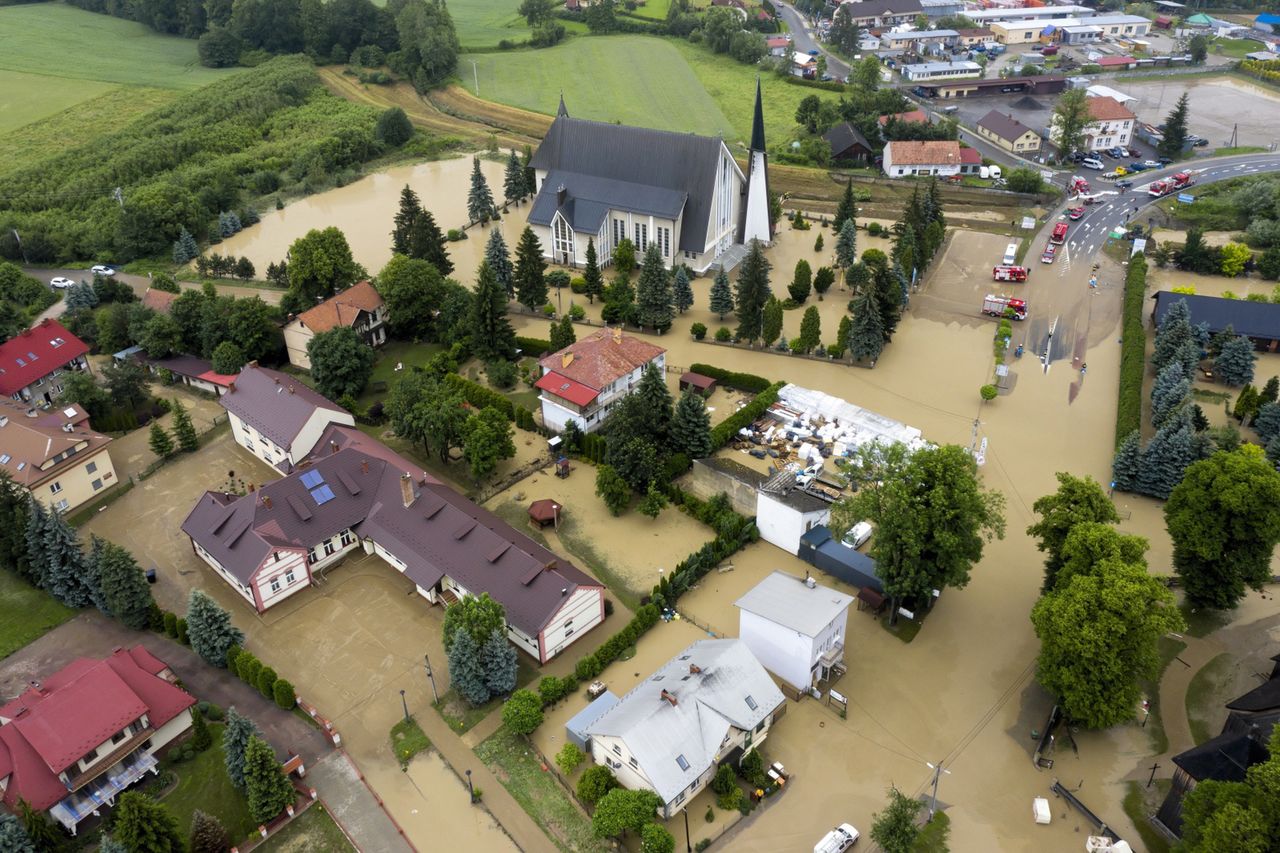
column 683, row 193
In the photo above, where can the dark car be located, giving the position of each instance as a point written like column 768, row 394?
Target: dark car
column 1137, row 167
column 1124, row 185
column 1164, row 161
column 1200, row 143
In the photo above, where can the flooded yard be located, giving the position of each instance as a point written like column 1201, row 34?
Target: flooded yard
column 1217, row 105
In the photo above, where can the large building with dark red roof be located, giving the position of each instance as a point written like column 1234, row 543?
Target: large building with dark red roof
column 585, row 380
column 276, row 417
column 32, row 363
column 70, row 744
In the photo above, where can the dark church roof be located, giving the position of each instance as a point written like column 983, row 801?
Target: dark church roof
column 617, row 155
column 588, row 200
column 1224, row 758
column 1264, row 697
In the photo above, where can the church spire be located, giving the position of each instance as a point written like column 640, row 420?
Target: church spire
column 562, row 111
column 757, row 123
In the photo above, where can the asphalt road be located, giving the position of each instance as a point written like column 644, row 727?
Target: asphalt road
column 140, row 283
column 804, row 40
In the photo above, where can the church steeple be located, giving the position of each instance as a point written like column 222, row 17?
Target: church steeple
column 755, row 214
column 564, row 112
column 757, row 123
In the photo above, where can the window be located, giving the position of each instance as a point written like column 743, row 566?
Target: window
column 311, row 555
column 642, row 237
column 329, row 547
column 619, row 231
column 97, row 484
column 4, row 458
column 562, row 237
column 346, row 538
column 275, row 584
column 617, row 750
column 289, row 577
column 91, row 468
column 751, row 703
column 56, row 342
column 679, row 799
column 89, row 756
column 322, row 495
column 55, row 488
column 311, row 479
column 634, row 763
column 682, row 761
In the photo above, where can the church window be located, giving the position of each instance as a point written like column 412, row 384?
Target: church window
column 642, row 237
column 563, row 241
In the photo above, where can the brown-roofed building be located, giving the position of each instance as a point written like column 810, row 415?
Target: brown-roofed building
column 359, row 307
column 847, row 143
column 909, row 116
column 585, row 380
column 53, row 454
column 159, row 301
column 974, row 36
column 354, row 492
column 72, row 742
column 1009, row 133
column 1113, row 125
column 276, row 417
column 940, row 157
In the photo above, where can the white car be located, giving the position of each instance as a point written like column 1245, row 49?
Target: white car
column 61, row 283
column 858, row 535
column 102, row 269
column 837, row 840
column 1092, row 163
column 1153, row 164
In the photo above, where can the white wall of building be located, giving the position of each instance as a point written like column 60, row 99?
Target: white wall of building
column 256, row 443
column 783, row 525
column 167, row 733
column 581, row 612
column 557, row 413
column 783, row 651
column 305, row 441
column 277, row 579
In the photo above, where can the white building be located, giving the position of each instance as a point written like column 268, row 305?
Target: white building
column 711, row 704
column 784, row 513
column 276, row 417
column 585, row 380
column 1112, row 125
column 931, row 71
column 795, row 627
column 903, row 158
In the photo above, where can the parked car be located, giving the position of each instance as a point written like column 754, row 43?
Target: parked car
column 1200, row 143
column 61, row 283
column 813, row 52
column 1092, row 163
column 1074, row 213
column 1164, row 161
column 1155, row 164
column 858, row 534
column 1118, row 152
column 102, row 269
column 995, row 173
column 837, row 840
column 1124, row 185
column 1138, row 167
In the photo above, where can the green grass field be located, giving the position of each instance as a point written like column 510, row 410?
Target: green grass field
column 1235, row 48
column 25, row 98
column 484, row 23
column 203, row 784
column 26, row 613
column 654, row 10
column 313, row 830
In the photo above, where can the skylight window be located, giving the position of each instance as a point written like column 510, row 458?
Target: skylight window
column 32, row 356
column 21, row 363
column 751, row 703
column 21, row 465
column 682, row 761
column 56, row 342
column 4, row 458
column 322, row 495
column 311, row 479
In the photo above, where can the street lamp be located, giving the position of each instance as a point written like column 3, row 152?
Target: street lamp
column 937, row 771
column 405, row 704
column 470, row 789
column 687, row 843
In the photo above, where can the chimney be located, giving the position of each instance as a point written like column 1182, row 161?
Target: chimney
column 617, row 335
column 39, row 688
column 266, row 501
column 231, row 387
column 566, row 360
column 4, row 421
column 406, row 489
column 333, row 447
column 670, row 698
column 561, row 193
column 694, row 669
column 252, row 488
column 290, row 389
column 364, row 466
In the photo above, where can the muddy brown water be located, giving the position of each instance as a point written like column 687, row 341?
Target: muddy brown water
column 1216, row 105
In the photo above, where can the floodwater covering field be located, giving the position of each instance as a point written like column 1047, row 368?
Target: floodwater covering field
column 1217, row 104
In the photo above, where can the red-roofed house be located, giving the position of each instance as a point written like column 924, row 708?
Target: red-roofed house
column 359, row 307
column 70, row 744
column 585, row 380
column 32, row 363
column 1114, row 62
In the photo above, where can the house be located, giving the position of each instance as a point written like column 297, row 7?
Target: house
column 1043, row 84
column 54, row 454
column 359, row 307
column 1036, row 13
column 918, row 40
column 193, row 372
column 880, row 13
column 903, row 158
column 712, row 704
column 925, row 72
column 601, row 182
column 72, row 742
column 970, row 161
column 1116, row 63
column 32, row 362
column 1009, row 133
column 795, row 627
column 585, row 380
column 354, row 492
column 847, row 143
column 971, row 37
column 784, row 511
column 159, row 301
column 778, row 45
column 909, row 116
column 1111, row 124
column 1257, row 321
column 1268, row 22
column 276, row 417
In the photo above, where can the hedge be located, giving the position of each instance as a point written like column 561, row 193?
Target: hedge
column 533, row 347
column 829, row 85
column 724, row 432
column 479, row 396
column 1133, row 348
column 741, row 381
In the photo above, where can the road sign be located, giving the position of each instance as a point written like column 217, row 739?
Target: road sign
column 1186, row 198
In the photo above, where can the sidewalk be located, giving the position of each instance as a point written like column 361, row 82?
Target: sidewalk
column 354, row 806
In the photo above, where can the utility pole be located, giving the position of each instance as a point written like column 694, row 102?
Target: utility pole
column 118, row 195
column 1154, row 768
column 431, row 677
column 937, row 771
column 475, row 74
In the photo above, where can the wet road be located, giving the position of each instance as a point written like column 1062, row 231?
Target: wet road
column 140, row 283
column 804, row 40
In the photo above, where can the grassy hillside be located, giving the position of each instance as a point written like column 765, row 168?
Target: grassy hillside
column 484, row 23
column 25, row 98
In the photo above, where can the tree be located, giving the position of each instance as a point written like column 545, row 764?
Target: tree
column 124, row 588
column 1126, row 467
column 654, row 299
column 866, row 335
column 1070, row 116
column 480, row 206
column 1267, row 424
column 210, row 630
column 498, row 660
column 1175, row 130
column 530, row 284
column 218, row 48
column 426, row 411
column 428, row 43
column 341, row 362
column 721, row 295
column 13, row 838
column 207, row 834
column 771, row 326
column 185, row 248
column 635, row 459
column 1167, row 456
column 888, row 289
column 612, row 489
column 591, row 274
column 1100, row 625
column 844, row 34
column 1176, row 340
column 522, row 713
column 654, row 838
column 499, row 260
column 15, row 516
column 1234, row 364
column 79, row 388
column 1194, row 255
column 894, row 829
column 128, row 383
column 235, row 740
column 596, row 781
column 412, row 290
column 320, row 265
column 56, row 559
column 624, row 257
column 144, row 825
column 691, row 427
column 160, row 442
column 1171, row 391
column 801, row 281
column 491, row 334
column 810, row 331
column 846, row 210
column 1224, row 520
column 487, row 438
column 1232, row 259
column 683, row 292
column 227, row 359
column 620, row 810
column 513, row 179
column 654, row 502
column 284, row 695
column 38, row 827
column 200, row 737
column 752, row 292
column 466, row 674
column 847, row 247
column 1198, row 47
column 478, row 615
column 393, row 127
column 1248, row 404
column 268, row 789
column 562, row 333
column 1077, row 501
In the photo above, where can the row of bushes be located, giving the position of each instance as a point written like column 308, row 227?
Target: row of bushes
column 533, row 347
column 731, row 379
column 829, row 85
column 479, row 397
column 593, row 447
column 1132, row 350
column 723, row 433
column 261, row 677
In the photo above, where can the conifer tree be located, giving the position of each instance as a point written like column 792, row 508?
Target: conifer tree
column 1175, row 130
column 144, row 825
column 159, row 441
column 810, row 331
column 499, row 260
column 124, row 587
column 200, row 737
column 866, row 334
column 1167, row 456
column 498, row 660
column 38, row 827
column 771, row 324
column 1170, row 392
column 1175, row 331
column 1273, row 451
column 530, row 272
column 235, row 740
column 591, row 275
column 721, row 295
column 63, row 563
column 405, row 217
column 13, row 838
column 266, row 787
column 654, row 299
column 479, row 199
column 210, row 630
column 654, row 501
column 427, row 243
column 801, row 281
column 683, row 292
column 15, row 514
column 207, row 834
column 513, row 180
column 888, row 290
column 619, row 301
column 752, row 292
column 92, row 577
column 847, row 247
column 530, row 175
column 1267, row 423
column 1270, row 392
column 845, row 210
column 185, row 247
column 843, row 334
column 691, row 426
column 110, row 845
column 183, row 430
column 492, row 338
column 37, row 524
column 1234, row 364
column 654, row 404
column 465, row 670
column 562, row 333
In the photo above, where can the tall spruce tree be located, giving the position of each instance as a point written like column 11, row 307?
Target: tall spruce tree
column 752, row 292
column 427, row 243
column 498, row 660
column 1171, row 391
column 1174, row 333
column 1167, row 456
column 846, row 210
column 410, row 207
column 479, row 199
column 843, row 334
column 466, row 673
column 721, row 295
column 866, row 336
column 266, row 787
column 64, row 563
column 513, row 180
column 144, row 825
column 888, row 290
column 499, row 260
column 771, row 322
column 15, row 515
column 562, row 333
column 124, row 587
column 1175, row 130
column 183, row 430
column 653, row 291
column 591, row 274
column 492, row 338
column 210, row 630
column 235, row 739
column 654, row 405
column 530, row 271
column 37, row 524
column 810, row 331
column 691, row 427
column 846, row 248
column 207, row 834
column 92, row 577
column 13, row 838
column 159, row 440
column 1234, row 364
column 682, row 291
column 1126, row 466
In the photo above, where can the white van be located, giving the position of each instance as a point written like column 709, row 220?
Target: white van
column 858, row 535
column 1010, row 254
column 995, row 173
column 837, row 840
column 1092, row 163
column 952, row 110
column 984, row 172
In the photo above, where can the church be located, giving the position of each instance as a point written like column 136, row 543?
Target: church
column 681, row 192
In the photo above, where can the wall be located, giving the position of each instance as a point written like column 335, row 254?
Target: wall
column 712, row 476
column 294, row 561
column 169, row 731
column 76, row 484
column 580, row 613
column 296, row 338
column 231, row 580
column 784, row 652
column 260, row 446
column 305, row 441
column 783, row 525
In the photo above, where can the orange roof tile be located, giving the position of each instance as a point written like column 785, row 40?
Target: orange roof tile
column 159, row 301
column 935, row 153
column 342, row 309
column 601, row 358
column 1108, row 109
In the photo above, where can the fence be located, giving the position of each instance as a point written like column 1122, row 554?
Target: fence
column 204, row 438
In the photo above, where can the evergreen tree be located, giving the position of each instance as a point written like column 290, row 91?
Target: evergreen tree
column 1194, row 255
column 160, row 442
column 144, row 825
column 1234, row 364
column 1167, row 456
column 200, row 737
column 888, row 290
column 498, row 660
column 847, row 246
column 654, row 405
column 1169, row 393
column 13, row 838
column 1247, row 404
column 683, row 292
column 771, row 327
column 1175, row 130
column 427, row 243
column 810, row 331
column 654, row 502
column 653, row 292
column 183, row 429
column 466, row 673
column 185, row 247
column 562, row 333
column 1267, row 423
column 721, row 295
column 124, row 587
column 1273, row 451
column 235, row 739
column 15, row 515
column 64, row 563
column 492, row 338
column 866, row 337
column 479, row 199
column 530, row 175
column 38, row 828
column 1174, row 332
column 207, row 834
column 843, row 333
column 37, row 524
column 499, row 260
column 752, row 293
column 801, row 281
column 846, row 210
column 267, row 788
column 209, row 629
column 591, row 275
column 691, row 427
column 1271, row 391
column 513, row 180
column 619, row 301
column 530, row 282
column 410, row 207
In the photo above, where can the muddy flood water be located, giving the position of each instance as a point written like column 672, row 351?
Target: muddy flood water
column 1216, row 104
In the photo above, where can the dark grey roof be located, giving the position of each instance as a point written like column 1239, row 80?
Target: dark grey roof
column 273, row 403
column 757, row 122
column 1253, row 319
column 642, row 156
column 1264, row 697
column 1224, row 758
column 819, row 549
column 876, row 8
column 1003, row 125
column 782, row 488
column 589, row 198
column 844, row 136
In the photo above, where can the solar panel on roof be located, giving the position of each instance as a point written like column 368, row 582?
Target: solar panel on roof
column 311, row 479
column 322, row 495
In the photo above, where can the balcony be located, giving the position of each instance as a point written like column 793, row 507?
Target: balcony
column 103, row 790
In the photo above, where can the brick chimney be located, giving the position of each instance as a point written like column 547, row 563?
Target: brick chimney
column 266, row 501
column 617, row 335
column 333, row 447
column 364, row 466
column 694, row 669
column 566, row 359
column 670, row 698
column 406, row 489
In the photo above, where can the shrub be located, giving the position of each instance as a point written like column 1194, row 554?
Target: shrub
column 568, row 758
column 741, row 381
column 284, row 694
column 533, row 347
column 723, row 335
column 522, row 713
column 989, row 392
column 455, row 235
column 596, row 781
column 873, row 228
column 171, row 624
column 266, row 682
column 502, row 374
column 577, row 312
column 723, row 432
column 182, row 633
column 548, row 310
column 699, row 331
column 1132, row 350
column 730, row 800
column 578, row 285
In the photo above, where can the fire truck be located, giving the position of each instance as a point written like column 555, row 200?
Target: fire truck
column 1005, row 272
column 1078, row 185
column 1177, row 183
column 1004, row 306
column 1059, row 234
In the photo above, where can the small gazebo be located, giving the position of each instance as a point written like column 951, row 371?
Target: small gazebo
column 545, row 512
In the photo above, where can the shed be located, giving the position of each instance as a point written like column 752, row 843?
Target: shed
column 819, row 549
column 704, row 385
column 544, row 512
column 576, row 729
